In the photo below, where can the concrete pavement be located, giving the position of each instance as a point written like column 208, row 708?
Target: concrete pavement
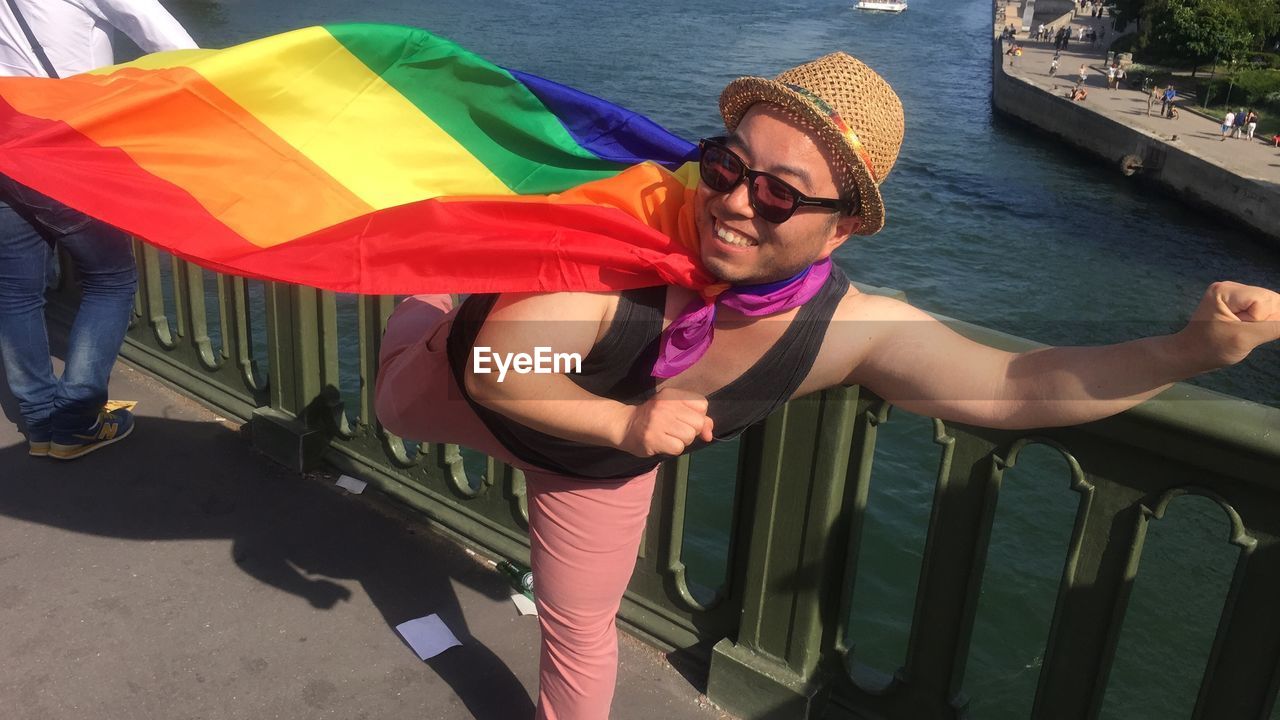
column 178, row 575
column 1196, row 134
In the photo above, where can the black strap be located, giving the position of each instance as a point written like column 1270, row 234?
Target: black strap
column 31, row 38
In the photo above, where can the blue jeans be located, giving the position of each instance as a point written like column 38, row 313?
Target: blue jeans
column 30, row 225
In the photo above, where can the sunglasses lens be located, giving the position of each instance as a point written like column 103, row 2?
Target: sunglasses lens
column 773, row 199
column 721, row 170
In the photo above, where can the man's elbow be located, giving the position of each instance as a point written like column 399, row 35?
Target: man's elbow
column 483, row 387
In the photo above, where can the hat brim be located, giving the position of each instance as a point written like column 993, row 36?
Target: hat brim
column 741, row 94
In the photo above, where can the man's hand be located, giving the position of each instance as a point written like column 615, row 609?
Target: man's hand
column 1230, row 322
column 666, row 424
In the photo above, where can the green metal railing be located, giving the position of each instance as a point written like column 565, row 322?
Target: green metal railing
column 775, row 635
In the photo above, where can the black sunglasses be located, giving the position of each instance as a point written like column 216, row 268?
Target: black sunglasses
column 771, row 198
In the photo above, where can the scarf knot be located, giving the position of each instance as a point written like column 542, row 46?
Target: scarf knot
column 686, row 340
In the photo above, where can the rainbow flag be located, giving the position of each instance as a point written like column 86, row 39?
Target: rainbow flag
column 362, row 158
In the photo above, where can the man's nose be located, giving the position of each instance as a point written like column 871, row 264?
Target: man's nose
column 738, row 200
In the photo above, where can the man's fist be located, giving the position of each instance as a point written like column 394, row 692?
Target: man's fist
column 1230, row 322
column 666, row 424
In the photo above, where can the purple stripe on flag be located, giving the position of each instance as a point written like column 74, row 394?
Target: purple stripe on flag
column 608, row 131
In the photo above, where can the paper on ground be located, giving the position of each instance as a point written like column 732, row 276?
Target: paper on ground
column 347, row 482
column 524, row 604
column 427, row 636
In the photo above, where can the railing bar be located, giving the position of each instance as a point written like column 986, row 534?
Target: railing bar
column 1098, row 576
column 138, row 260
column 861, row 463
column 150, row 288
column 1243, row 672
column 193, row 282
column 951, row 569
column 178, row 280
column 365, row 329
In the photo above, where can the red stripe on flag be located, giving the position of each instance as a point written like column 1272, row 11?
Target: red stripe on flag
column 54, row 158
column 475, row 246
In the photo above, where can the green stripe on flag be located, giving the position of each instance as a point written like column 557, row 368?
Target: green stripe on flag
column 525, row 145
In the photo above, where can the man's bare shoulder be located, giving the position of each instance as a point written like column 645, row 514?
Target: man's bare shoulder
column 858, row 306
column 565, row 319
column 861, row 321
column 594, row 306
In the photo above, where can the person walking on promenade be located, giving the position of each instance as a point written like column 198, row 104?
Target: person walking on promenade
column 666, row 371
column 1250, row 124
column 1111, row 77
column 1053, row 66
column 65, row 417
column 1237, row 131
column 1084, row 74
column 1154, row 97
column 1228, row 124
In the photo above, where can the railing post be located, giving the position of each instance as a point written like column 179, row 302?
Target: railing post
column 286, row 431
column 796, row 543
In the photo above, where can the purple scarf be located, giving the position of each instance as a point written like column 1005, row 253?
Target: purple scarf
column 686, row 340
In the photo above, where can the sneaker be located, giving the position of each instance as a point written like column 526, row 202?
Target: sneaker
column 38, row 440
column 111, row 426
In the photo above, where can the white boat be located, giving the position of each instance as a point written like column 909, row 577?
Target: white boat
column 893, row 7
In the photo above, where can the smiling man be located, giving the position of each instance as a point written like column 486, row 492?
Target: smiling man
column 798, row 174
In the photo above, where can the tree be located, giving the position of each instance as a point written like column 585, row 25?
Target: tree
column 1202, row 31
column 1263, row 18
column 1133, row 11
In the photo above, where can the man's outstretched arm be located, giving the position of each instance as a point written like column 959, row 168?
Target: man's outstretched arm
column 919, row 364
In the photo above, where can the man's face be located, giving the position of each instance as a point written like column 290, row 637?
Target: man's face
column 739, row 247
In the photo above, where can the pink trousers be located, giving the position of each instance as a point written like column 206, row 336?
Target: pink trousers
column 583, row 534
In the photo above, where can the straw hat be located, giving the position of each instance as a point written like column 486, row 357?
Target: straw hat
column 850, row 108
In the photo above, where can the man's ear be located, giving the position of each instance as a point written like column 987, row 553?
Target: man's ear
column 848, row 225
column 844, row 227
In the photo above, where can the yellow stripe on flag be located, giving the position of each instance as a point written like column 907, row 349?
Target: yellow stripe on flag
column 377, row 144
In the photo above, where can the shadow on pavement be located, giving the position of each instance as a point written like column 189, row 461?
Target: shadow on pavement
column 179, row 480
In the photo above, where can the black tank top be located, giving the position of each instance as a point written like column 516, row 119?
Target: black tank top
column 619, row 367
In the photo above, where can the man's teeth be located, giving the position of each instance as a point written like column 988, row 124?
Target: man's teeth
column 734, row 238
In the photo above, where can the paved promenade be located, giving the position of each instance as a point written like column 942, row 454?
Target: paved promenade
column 1199, row 135
column 179, row 576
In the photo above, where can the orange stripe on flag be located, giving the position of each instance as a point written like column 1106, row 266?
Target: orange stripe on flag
column 658, row 198
column 201, row 141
